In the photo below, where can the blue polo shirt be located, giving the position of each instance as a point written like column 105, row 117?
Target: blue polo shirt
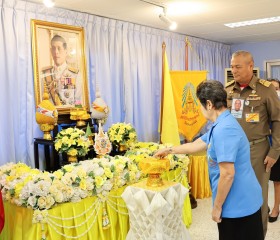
column 227, row 142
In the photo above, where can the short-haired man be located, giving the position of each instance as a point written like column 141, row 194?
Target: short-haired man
column 261, row 108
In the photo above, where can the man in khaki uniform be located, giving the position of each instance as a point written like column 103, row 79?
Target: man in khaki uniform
column 261, row 108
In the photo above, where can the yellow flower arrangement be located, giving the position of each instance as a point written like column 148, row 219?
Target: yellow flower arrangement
column 73, row 141
column 122, row 133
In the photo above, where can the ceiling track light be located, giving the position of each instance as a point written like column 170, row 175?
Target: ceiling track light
column 171, row 24
column 49, row 3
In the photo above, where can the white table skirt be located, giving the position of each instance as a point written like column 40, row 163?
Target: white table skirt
column 156, row 213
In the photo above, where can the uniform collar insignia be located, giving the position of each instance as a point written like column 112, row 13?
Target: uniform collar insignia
column 60, row 68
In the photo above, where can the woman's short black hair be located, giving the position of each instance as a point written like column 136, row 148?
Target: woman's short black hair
column 213, row 91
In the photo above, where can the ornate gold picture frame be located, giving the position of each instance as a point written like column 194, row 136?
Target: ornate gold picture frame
column 59, row 64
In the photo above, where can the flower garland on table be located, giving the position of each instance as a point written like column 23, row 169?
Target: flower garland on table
column 13, row 177
column 32, row 188
column 122, row 133
column 73, row 141
column 35, row 189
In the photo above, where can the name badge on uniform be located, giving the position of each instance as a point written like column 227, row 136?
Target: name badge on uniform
column 252, row 117
column 237, row 107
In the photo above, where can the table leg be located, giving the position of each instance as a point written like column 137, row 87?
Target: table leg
column 36, row 155
column 55, row 159
column 47, row 157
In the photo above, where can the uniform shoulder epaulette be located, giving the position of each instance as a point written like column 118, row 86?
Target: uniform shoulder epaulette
column 47, row 68
column 230, row 83
column 264, row 82
column 73, row 70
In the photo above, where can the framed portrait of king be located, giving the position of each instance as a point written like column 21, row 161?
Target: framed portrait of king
column 59, row 65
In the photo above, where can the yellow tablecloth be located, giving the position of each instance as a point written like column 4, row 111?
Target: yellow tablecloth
column 198, row 176
column 87, row 225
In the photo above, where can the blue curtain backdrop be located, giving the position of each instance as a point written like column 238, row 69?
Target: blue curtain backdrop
column 123, row 58
column 211, row 56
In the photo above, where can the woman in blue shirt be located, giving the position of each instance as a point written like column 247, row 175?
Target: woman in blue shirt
column 236, row 193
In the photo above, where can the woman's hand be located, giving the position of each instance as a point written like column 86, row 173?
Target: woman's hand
column 163, row 152
column 216, row 214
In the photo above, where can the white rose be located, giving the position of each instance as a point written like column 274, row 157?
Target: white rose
column 98, row 171
column 32, row 201
column 58, row 197
column 42, row 202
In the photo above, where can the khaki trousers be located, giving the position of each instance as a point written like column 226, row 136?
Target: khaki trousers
column 258, row 153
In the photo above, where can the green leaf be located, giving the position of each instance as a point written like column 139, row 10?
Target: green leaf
column 126, row 176
column 91, row 174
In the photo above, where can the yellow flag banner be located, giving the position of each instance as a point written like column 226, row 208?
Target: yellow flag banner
column 187, row 106
column 169, row 126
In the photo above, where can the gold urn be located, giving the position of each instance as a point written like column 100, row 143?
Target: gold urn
column 154, row 167
column 72, row 158
column 46, row 116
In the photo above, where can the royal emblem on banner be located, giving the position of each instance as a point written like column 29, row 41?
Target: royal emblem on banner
column 187, row 106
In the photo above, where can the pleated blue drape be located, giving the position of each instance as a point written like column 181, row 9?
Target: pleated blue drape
column 211, row 56
column 123, row 58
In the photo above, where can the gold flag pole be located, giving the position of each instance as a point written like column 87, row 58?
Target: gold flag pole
column 186, row 55
column 162, row 87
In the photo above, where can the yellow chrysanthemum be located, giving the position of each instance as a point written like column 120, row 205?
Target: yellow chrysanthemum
column 83, row 184
column 69, row 168
column 58, row 174
column 69, row 130
column 18, row 189
column 99, row 181
column 72, row 152
column 108, row 172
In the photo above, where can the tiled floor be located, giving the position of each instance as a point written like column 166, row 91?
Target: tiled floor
column 203, row 228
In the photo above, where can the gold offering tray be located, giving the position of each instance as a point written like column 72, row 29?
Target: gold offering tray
column 79, row 114
column 154, row 167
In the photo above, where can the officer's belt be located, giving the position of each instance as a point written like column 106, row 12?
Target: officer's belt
column 258, row 141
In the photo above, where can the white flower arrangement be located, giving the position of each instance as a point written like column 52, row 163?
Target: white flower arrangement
column 122, row 133
column 34, row 189
column 73, row 141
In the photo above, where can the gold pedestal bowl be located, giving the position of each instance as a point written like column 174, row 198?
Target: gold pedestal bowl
column 80, row 115
column 72, row 158
column 47, row 128
column 154, row 167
